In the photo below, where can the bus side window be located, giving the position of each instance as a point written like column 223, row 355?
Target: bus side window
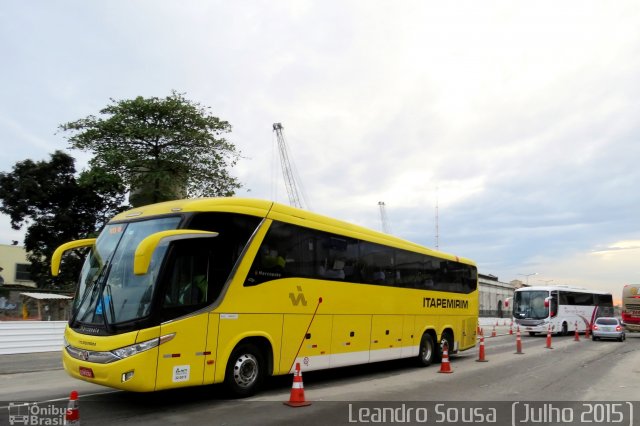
column 186, row 284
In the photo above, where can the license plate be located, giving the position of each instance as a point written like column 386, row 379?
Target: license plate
column 86, row 372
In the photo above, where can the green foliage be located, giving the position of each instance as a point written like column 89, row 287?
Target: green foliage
column 56, row 207
column 162, row 149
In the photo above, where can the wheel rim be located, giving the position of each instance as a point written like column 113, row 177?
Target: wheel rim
column 445, row 339
column 245, row 370
column 427, row 351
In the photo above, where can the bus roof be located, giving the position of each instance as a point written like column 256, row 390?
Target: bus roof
column 562, row 288
column 280, row 212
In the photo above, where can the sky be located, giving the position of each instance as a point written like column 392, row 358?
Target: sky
column 518, row 122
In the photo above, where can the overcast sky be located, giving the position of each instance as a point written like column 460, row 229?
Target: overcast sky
column 519, row 120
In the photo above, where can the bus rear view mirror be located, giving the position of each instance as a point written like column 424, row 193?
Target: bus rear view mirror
column 57, row 255
column 146, row 248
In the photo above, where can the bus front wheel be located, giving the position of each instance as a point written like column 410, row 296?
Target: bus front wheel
column 427, row 350
column 245, row 370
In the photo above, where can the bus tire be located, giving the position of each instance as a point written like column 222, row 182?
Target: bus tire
column 447, row 338
column 565, row 329
column 532, row 333
column 427, row 351
column 245, row 370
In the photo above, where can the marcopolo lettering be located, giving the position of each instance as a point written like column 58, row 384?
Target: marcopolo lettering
column 437, row 302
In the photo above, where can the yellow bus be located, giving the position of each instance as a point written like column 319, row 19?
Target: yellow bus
column 203, row 291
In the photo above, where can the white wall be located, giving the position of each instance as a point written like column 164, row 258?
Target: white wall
column 19, row 337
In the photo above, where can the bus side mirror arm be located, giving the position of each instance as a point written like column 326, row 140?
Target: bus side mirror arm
column 57, row 255
column 146, row 248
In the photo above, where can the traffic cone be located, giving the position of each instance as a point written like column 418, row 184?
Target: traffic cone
column 72, row 415
column 577, row 336
column 481, row 351
column 445, row 366
column 586, row 332
column 511, row 329
column 296, row 399
column 548, row 338
column 518, row 343
column 493, row 333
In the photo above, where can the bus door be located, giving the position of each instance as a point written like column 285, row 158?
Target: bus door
column 185, row 292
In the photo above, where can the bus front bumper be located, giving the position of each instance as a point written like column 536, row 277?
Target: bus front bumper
column 540, row 328
column 135, row 373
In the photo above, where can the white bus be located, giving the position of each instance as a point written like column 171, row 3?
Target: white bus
column 563, row 308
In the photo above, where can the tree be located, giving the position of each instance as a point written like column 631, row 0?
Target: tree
column 163, row 149
column 55, row 206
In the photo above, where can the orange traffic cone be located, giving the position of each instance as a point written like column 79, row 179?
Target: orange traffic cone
column 518, row 343
column 586, row 332
column 296, row 399
column 72, row 415
column 481, row 351
column 577, row 336
column 493, row 333
column 445, row 366
column 511, row 329
column 548, row 338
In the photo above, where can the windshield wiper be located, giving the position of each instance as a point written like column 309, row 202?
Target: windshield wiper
column 110, row 297
column 105, row 287
column 91, row 290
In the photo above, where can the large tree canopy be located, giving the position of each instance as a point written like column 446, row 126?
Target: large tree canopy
column 162, row 148
column 56, row 207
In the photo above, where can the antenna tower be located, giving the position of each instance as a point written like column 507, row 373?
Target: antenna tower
column 437, row 225
column 296, row 197
column 386, row 228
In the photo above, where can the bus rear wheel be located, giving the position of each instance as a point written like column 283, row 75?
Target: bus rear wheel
column 447, row 338
column 245, row 370
column 427, row 351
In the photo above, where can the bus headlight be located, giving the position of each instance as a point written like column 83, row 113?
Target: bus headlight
column 136, row 348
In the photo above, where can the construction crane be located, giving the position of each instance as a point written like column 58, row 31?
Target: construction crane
column 291, row 180
column 386, row 228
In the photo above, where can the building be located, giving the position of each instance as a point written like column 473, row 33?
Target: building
column 20, row 299
column 14, row 266
column 493, row 295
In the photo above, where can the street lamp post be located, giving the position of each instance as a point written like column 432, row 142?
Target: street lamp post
column 528, row 275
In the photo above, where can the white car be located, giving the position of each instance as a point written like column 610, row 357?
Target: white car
column 607, row 328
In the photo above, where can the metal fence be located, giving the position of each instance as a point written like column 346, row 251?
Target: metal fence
column 18, row 337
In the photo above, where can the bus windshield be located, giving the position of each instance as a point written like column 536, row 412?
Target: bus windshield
column 108, row 291
column 530, row 304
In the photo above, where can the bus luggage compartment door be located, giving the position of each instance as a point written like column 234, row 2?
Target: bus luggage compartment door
column 350, row 340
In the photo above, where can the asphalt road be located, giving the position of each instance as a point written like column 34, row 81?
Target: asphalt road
column 572, row 371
